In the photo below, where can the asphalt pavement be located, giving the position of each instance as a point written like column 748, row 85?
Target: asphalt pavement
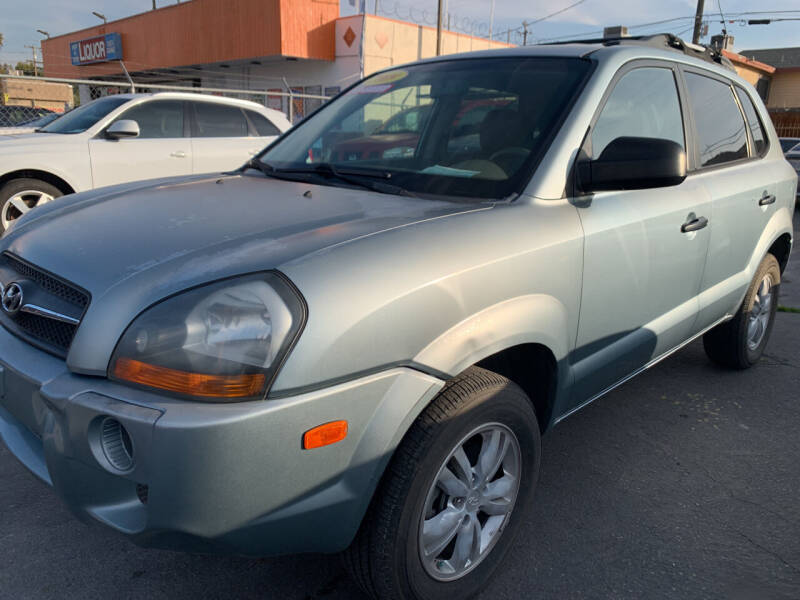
column 684, row 483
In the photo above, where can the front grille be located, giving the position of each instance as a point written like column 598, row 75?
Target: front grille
column 50, row 334
column 53, row 333
column 46, row 282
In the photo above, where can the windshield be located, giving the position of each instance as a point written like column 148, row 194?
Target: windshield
column 83, row 117
column 41, row 121
column 470, row 128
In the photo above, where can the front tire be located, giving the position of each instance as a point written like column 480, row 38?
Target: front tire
column 19, row 196
column 453, row 496
column 740, row 342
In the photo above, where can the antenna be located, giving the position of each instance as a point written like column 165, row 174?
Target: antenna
column 724, row 29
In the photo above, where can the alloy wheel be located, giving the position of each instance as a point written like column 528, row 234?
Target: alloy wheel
column 470, row 502
column 760, row 314
column 20, row 203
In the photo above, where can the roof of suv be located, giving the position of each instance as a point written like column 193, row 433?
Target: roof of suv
column 665, row 45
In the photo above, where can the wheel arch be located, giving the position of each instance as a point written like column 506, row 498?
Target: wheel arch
column 781, row 248
column 534, row 368
column 525, row 339
column 63, row 185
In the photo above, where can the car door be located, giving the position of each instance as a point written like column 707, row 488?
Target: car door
column 642, row 272
column 729, row 167
column 221, row 137
column 161, row 149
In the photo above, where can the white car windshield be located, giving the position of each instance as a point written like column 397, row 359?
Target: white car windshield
column 83, row 117
column 469, row 128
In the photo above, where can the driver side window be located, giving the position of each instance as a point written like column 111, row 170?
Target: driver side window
column 644, row 103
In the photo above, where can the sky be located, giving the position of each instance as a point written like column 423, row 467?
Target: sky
column 20, row 19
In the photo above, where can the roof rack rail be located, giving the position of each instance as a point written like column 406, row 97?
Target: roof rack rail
column 667, row 41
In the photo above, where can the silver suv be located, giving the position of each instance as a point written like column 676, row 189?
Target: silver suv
column 354, row 342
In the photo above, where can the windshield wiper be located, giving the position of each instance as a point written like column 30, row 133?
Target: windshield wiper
column 368, row 179
column 270, row 171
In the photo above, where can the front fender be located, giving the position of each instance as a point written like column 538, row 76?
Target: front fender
column 535, row 318
column 71, row 166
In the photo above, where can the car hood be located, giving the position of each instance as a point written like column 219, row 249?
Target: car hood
column 13, row 141
column 16, row 131
column 132, row 245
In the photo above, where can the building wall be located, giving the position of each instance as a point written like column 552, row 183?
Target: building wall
column 749, row 74
column 43, row 94
column 307, row 28
column 205, row 31
column 784, row 91
column 308, row 76
column 388, row 42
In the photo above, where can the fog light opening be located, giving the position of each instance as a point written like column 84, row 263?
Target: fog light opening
column 117, row 445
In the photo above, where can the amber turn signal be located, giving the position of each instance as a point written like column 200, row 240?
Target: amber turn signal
column 325, row 435
column 193, row 384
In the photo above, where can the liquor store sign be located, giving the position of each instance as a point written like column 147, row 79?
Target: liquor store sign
column 97, row 49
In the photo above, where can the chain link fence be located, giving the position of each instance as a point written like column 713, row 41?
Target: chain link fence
column 30, row 102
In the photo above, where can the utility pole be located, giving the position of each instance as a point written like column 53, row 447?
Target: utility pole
column 698, row 21
column 491, row 22
column 35, row 68
column 525, row 32
column 439, row 31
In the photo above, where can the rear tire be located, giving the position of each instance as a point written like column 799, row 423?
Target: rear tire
column 19, row 196
column 740, row 342
column 476, row 413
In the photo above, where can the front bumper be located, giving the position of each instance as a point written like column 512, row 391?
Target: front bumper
column 227, row 478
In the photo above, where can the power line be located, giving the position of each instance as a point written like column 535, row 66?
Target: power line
column 526, row 24
column 558, row 12
column 665, row 21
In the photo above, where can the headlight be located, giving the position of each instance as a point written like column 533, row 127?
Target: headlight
column 221, row 342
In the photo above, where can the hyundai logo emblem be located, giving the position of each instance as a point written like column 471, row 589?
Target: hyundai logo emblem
column 12, row 299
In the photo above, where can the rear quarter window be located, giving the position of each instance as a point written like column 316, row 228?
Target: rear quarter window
column 264, row 127
column 754, row 122
column 219, row 120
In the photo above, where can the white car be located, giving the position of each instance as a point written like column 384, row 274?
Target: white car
column 129, row 137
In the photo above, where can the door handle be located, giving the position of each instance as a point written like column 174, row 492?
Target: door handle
column 253, row 152
column 694, row 225
column 178, row 154
column 767, row 199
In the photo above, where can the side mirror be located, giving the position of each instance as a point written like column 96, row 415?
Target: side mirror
column 125, row 128
column 633, row 163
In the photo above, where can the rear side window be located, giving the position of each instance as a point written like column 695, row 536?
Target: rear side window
column 756, row 128
column 263, row 125
column 219, row 120
column 157, row 119
column 720, row 125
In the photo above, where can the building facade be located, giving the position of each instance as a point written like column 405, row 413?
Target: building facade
column 783, row 94
column 259, row 45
